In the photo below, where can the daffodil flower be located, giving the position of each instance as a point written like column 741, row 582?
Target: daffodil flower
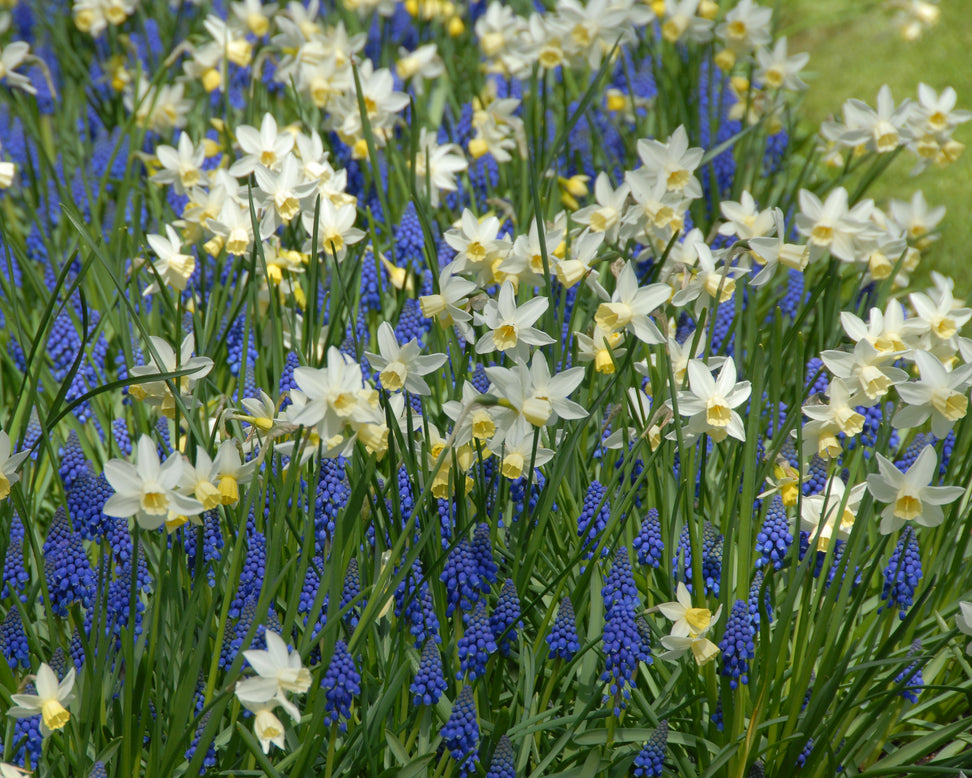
column 147, row 490
column 910, row 494
column 9, row 465
column 689, row 627
column 939, row 394
column 963, row 620
column 631, row 305
column 835, row 508
column 402, row 367
column 279, row 672
column 709, row 402
column 49, row 702
column 511, row 326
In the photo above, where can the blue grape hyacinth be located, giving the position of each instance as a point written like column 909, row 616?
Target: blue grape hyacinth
column 461, row 732
column 341, row 684
column 562, row 637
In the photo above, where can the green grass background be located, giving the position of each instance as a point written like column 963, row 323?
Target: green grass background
column 855, row 47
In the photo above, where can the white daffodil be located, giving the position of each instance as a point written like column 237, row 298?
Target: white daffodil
column 938, row 319
column 402, row 367
column 709, row 402
column 940, row 394
column 266, row 726
column 681, row 21
column 963, row 620
column 910, row 494
column 511, row 326
column 820, row 438
column 631, row 305
column 518, row 450
column 866, row 368
column 885, row 330
column 172, row 266
column 473, row 419
column 679, row 355
column 164, row 360
column 840, row 410
column 330, row 394
column 280, row 193
column 832, row 513
column 335, row 229
column 9, row 465
column 50, row 701
column 772, row 251
column 717, row 282
column 533, row 394
column 577, row 265
column 604, row 216
column 266, row 146
column 780, row 70
column 525, row 259
column 12, row 771
column 673, row 162
column 12, row 56
column 436, row 166
column 449, row 306
column 279, row 672
column 148, row 489
column 744, row 219
column 689, row 627
column 602, row 348
column 181, row 167
column 832, row 225
column 229, row 471
column 476, row 242
column 235, row 227
column 197, row 480
column 261, row 412
column 885, row 128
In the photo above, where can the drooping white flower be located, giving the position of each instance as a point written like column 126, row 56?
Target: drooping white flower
column 266, row 726
column 50, row 701
column 279, row 673
column 832, row 512
column 449, row 306
column 909, row 494
column 9, row 465
column 12, row 56
column 436, row 166
column 148, row 489
column 172, row 266
column 689, row 628
column 963, row 620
